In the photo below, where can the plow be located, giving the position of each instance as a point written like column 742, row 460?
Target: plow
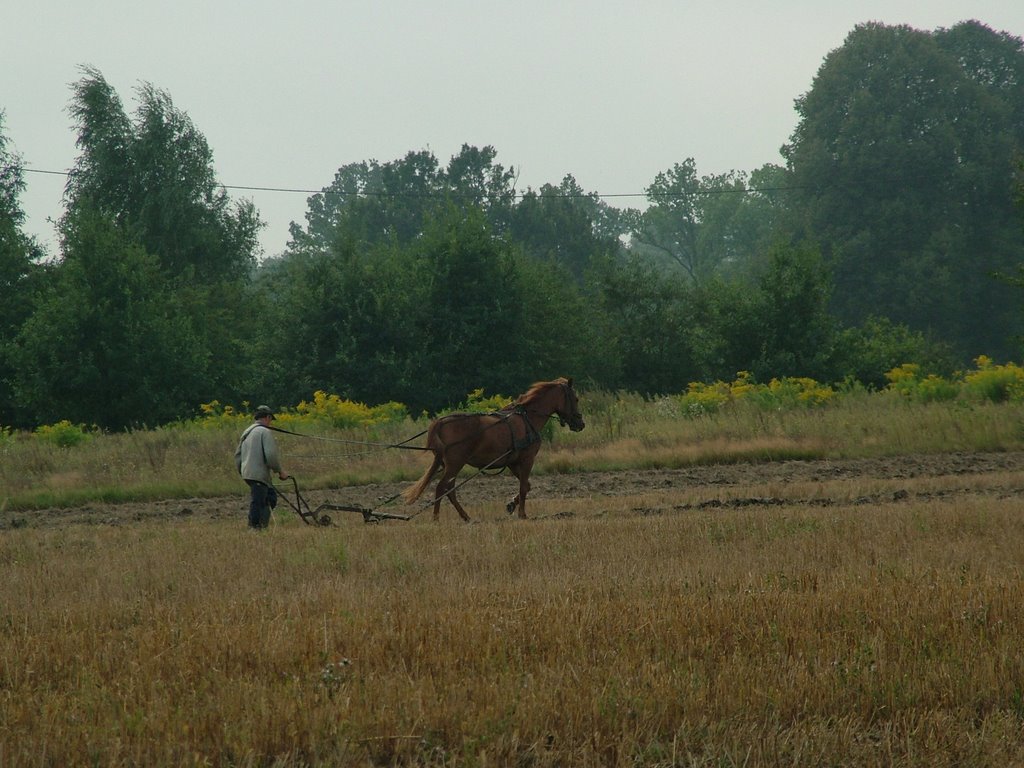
column 316, row 516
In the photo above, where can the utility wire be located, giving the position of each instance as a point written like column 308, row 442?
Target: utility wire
column 367, row 193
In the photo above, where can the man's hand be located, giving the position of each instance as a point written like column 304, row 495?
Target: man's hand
column 283, row 475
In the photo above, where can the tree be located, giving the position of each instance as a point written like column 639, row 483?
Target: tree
column 19, row 257
column 108, row 343
column 869, row 351
column 714, row 225
column 151, row 180
column 344, row 322
column 647, row 338
column 724, row 329
column 796, row 330
column 475, row 180
column 563, row 225
column 372, row 203
column 905, row 154
column 154, row 178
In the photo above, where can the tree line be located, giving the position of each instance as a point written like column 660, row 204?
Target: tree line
column 892, row 234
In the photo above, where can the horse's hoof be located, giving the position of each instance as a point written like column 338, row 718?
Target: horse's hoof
column 510, row 508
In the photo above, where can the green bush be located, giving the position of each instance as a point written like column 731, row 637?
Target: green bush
column 63, row 434
column 906, row 380
column 789, row 392
column 996, row 383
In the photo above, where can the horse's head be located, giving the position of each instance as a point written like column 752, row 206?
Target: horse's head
column 569, row 412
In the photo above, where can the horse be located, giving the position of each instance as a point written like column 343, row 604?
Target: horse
column 506, row 438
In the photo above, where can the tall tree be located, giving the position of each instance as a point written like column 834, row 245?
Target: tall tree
column 142, row 317
column 796, row 330
column 647, row 336
column 19, row 266
column 475, row 180
column 424, row 323
column 372, row 203
column 905, row 154
column 154, row 178
column 563, row 225
column 108, row 343
column 712, row 225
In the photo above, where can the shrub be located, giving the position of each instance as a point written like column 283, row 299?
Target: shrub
column 779, row 393
column 477, row 402
column 701, row 399
column 791, row 392
column 63, row 433
column 344, row 414
column 216, row 415
column 997, row 383
column 906, row 381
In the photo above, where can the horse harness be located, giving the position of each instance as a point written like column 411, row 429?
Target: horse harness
column 532, row 435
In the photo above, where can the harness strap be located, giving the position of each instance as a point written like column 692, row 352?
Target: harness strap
column 531, row 437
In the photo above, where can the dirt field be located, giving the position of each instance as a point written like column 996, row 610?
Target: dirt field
column 821, row 483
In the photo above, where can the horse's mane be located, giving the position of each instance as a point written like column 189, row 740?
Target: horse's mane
column 537, row 389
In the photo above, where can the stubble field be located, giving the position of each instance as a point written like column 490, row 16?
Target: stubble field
column 855, row 612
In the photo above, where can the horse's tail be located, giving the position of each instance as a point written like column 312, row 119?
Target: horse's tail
column 413, row 493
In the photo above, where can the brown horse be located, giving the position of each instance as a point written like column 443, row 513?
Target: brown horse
column 506, row 438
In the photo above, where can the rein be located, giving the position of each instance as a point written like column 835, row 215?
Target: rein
column 357, row 442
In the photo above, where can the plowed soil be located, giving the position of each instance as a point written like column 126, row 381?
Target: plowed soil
column 892, row 480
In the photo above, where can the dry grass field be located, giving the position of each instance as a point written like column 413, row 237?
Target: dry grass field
column 800, row 613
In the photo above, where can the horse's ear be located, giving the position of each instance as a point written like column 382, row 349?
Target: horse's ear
column 570, row 381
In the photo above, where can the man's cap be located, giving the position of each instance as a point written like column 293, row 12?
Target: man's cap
column 261, row 411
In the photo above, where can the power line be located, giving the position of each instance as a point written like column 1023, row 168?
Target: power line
column 367, row 193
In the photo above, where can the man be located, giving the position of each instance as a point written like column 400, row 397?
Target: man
column 255, row 457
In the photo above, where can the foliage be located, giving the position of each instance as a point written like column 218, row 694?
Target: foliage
column 143, row 315
column 793, row 391
column 907, row 380
column 645, row 339
column 215, row 415
column 413, row 279
column 718, row 225
column 19, row 273
column 325, row 409
column 342, row 414
column 371, row 204
column 701, row 399
column 791, row 311
column 64, row 434
column 903, row 166
column 108, row 342
column 567, row 227
column 477, row 402
column 866, row 353
column 995, row 383
column 154, row 178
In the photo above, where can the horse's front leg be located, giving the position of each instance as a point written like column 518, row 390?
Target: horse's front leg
column 458, row 507
column 524, row 488
column 523, row 474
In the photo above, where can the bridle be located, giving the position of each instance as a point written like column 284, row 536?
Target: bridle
column 575, row 417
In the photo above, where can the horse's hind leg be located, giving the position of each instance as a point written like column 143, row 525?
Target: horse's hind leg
column 446, row 487
column 438, row 495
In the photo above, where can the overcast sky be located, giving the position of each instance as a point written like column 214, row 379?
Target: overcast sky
column 288, row 92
